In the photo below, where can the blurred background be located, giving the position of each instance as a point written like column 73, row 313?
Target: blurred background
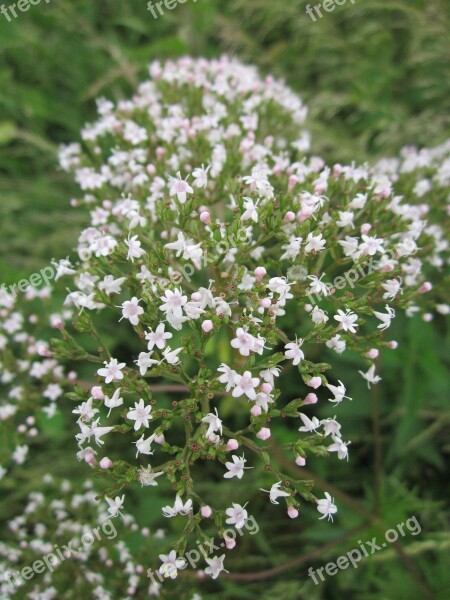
column 376, row 76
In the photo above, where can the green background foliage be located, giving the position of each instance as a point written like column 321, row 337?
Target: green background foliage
column 376, row 76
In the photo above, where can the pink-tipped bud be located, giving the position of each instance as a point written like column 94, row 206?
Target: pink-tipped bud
column 207, row 326
column 33, row 432
column 393, row 345
column 97, row 393
column 365, row 228
column 74, row 203
column 427, row 317
column 305, row 214
column 314, row 382
column 260, row 273
column 293, row 180
column 425, row 287
column 230, row 543
column 319, row 189
column 266, row 303
column 292, row 512
column 22, row 428
column 72, row 376
column 266, row 388
column 263, row 434
column 300, row 461
column 151, row 169
column 106, row 463
column 160, row 152
column 372, row 353
column 310, row 399
column 232, row 445
column 145, row 532
column 134, row 527
column 289, row 217
column 196, row 297
column 255, row 411
column 337, row 170
column 203, row 208
column 388, row 268
column 308, row 307
column 160, row 439
column 33, row 319
column 31, row 420
column 206, row 511
column 90, row 458
column 205, row 218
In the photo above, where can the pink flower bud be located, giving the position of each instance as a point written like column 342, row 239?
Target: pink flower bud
column 372, row 353
column 74, row 203
column 425, row 287
column 230, row 543
column 337, row 170
column 207, row 326
column 319, row 189
column 232, row 445
column 134, row 527
column 266, row 303
column 97, row 393
column 300, row 461
column 90, row 458
column 308, row 307
column 205, row 218
column 266, row 388
column 107, row 204
column 263, row 434
column 314, row 382
column 139, row 569
column 72, row 376
column 203, row 208
column 206, row 512
column 365, row 228
column 160, row 152
column 427, row 317
column 31, row 420
column 151, row 169
column 310, row 399
column 22, row 428
column 260, row 273
column 304, row 214
column 292, row 512
column 393, row 345
column 160, row 439
column 33, row 319
column 256, row 410
column 293, row 180
column 145, row 532
column 289, row 217
column 33, row 432
column 106, row 463
column 388, row 268
column 196, row 297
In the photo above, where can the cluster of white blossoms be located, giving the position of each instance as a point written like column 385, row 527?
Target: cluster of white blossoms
column 65, row 529
column 219, row 258
column 32, row 381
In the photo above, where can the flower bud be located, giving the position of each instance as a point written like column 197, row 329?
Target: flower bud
column 106, row 463
column 256, row 410
column 425, row 287
column 232, row 445
column 292, row 512
column 365, row 228
column 393, row 345
column 310, row 399
column 97, row 393
column 206, row 511
column 230, row 543
column 266, row 388
column 207, row 326
column 289, row 217
column 372, row 353
column 314, row 382
column 300, row 461
column 205, row 218
column 263, row 434
column 260, row 273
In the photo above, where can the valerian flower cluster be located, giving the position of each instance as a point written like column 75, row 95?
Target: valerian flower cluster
column 228, row 257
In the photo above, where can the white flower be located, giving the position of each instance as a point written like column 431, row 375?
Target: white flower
column 244, row 341
column 134, row 248
column 158, row 337
column 200, row 176
column 173, row 302
column 178, row 508
column 140, row 414
column 131, row 310
column 112, row 371
column 319, row 316
column 180, row 188
column 215, row 566
column 143, row 446
column 314, row 243
column 237, row 515
column 115, row 505
column 371, row 245
column 370, row 376
column 236, row 468
column 317, row 286
column 293, row 352
column 340, row 447
column 245, row 384
column 113, row 402
column 346, row 320
column 385, row 318
column 229, row 376
column 145, row 362
column 327, row 507
column 171, row 564
column 392, row 287
column 336, row 344
column 338, row 392
column 276, row 493
column 250, row 210
column 214, row 423
column 330, row 426
column 309, row 424
column 147, row 476
column 171, row 356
